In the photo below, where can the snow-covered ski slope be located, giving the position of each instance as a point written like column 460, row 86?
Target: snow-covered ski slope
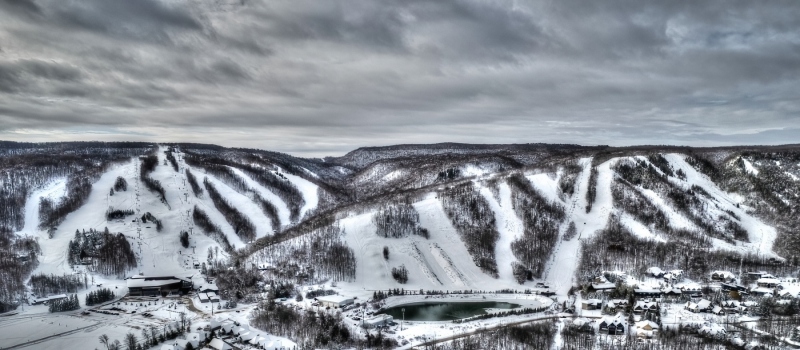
column 440, row 262
column 157, row 252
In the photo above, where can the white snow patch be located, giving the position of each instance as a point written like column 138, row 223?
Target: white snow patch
column 508, row 225
column 55, row 190
column 749, row 167
column 309, row 191
column 638, row 229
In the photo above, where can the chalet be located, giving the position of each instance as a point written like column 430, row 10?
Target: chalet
column 712, row 330
column 691, row 290
column 768, row 282
column 591, row 304
column 612, row 326
column 141, row 285
column 671, row 292
column 700, row 306
column 334, row 301
column 208, row 288
column 239, row 330
column 733, row 287
column 656, row 272
column 646, row 292
column 190, row 338
column 788, row 294
column 718, row 310
column 584, row 325
column 642, row 306
column 646, row 329
column 219, row 344
column 761, row 291
column 616, row 305
column 756, row 274
column 722, row 276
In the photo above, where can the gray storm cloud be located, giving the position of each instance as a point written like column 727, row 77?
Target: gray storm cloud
column 324, row 77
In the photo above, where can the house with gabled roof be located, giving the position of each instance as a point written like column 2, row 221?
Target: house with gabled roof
column 700, row 306
column 613, row 325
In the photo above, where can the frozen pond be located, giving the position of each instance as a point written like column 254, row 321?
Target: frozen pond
column 445, row 311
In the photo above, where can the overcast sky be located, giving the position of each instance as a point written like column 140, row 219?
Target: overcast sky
column 323, row 77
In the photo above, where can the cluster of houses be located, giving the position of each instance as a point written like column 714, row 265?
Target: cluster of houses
column 616, row 325
column 244, row 334
column 230, row 335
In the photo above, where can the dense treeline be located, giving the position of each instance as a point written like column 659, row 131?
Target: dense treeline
column 147, row 217
column 211, row 229
column 234, row 181
column 171, row 158
column 400, row 274
column 236, row 282
column 148, row 165
column 18, row 258
column 67, row 304
column 692, row 203
column 616, row 248
column 531, row 336
column 116, row 214
column 25, row 167
column 772, row 193
column 120, row 184
column 280, row 185
column 51, row 213
column 43, row 285
column 99, row 296
column 542, row 219
column 108, row 253
column 276, row 182
column 317, row 256
column 311, row 330
column 474, row 220
column 269, row 211
column 591, row 192
column 196, row 189
column 240, row 223
column 398, row 219
column 566, row 183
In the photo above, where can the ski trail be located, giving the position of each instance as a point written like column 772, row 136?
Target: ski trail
column 508, row 225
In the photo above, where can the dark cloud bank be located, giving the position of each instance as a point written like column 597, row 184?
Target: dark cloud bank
column 324, row 77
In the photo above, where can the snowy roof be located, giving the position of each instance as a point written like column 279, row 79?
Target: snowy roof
column 768, row 280
column 334, row 299
column 646, row 323
column 141, row 283
column 218, row 344
column 727, row 274
column 655, row 271
column 599, row 286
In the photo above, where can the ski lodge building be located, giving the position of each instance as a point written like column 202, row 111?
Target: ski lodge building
column 152, row 286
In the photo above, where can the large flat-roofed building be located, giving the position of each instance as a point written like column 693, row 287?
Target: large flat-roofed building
column 334, row 301
column 378, row 321
column 141, row 285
